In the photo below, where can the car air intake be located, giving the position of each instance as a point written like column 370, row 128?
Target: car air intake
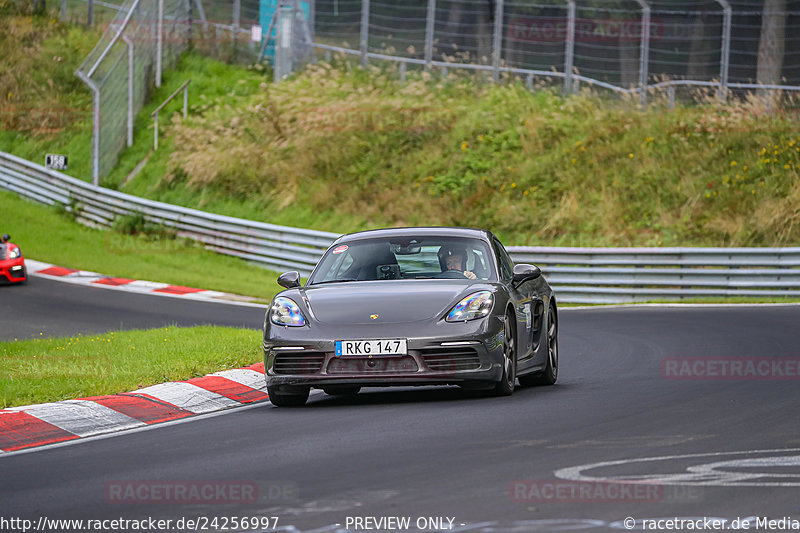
column 298, row 363
column 374, row 365
column 451, row 359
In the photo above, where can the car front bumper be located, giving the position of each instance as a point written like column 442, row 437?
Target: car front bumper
column 13, row 270
column 468, row 354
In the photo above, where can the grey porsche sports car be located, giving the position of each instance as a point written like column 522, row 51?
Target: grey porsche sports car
column 411, row 306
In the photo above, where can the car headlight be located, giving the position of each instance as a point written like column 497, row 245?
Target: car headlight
column 14, row 252
column 284, row 312
column 476, row 305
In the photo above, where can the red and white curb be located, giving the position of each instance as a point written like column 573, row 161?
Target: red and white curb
column 50, row 423
column 84, row 277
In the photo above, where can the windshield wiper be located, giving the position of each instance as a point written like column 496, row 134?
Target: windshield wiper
column 334, row 281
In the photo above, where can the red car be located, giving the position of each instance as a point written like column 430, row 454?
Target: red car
column 12, row 264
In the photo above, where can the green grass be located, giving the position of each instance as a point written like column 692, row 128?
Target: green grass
column 52, row 369
column 48, row 235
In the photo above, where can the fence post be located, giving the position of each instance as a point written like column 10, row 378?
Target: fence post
column 63, row 14
column 131, row 57
column 497, row 44
column 364, row 31
column 159, row 41
column 429, row 26
column 644, row 52
column 283, row 42
column 237, row 9
column 570, row 52
column 95, row 126
column 726, row 50
column 90, row 13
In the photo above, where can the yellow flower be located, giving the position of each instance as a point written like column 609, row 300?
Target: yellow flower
column 734, row 163
column 525, row 193
column 630, row 156
column 464, row 145
column 787, row 167
column 513, row 184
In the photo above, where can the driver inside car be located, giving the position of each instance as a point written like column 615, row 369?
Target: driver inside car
column 456, row 259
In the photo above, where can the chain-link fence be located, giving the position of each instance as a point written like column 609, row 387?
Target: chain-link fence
column 143, row 37
column 634, row 47
column 623, row 45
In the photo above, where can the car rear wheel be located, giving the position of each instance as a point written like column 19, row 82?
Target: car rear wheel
column 550, row 373
column 281, row 398
column 337, row 390
column 506, row 385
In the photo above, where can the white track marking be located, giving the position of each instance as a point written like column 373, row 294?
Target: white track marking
column 246, row 377
column 707, row 474
column 81, row 417
column 189, row 397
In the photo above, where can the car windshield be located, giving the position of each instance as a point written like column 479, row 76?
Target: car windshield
column 406, row 257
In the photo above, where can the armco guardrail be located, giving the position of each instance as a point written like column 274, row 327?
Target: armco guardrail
column 615, row 275
column 579, row 275
column 276, row 247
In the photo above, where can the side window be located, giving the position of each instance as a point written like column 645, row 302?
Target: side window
column 503, row 261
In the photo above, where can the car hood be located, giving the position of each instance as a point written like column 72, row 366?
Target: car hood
column 392, row 301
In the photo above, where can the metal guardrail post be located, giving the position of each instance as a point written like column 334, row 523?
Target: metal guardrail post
column 569, row 53
column 430, row 19
column 725, row 55
column 364, row 39
column 90, row 13
column 644, row 52
column 497, row 42
column 63, row 14
column 671, row 96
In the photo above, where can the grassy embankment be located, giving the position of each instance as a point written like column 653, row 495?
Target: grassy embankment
column 341, row 149
column 42, row 370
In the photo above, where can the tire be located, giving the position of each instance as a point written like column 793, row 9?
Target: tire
column 341, row 390
column 505, row 387
column 282, row 399
column 549, row 375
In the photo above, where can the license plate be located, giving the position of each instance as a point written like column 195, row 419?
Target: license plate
column 364, row 348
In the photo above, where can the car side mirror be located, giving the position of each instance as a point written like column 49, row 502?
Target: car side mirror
column 524, row 272
column 6, row 237
column 289, row 280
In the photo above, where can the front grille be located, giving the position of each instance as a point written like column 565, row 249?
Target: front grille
column 451, row 359
column 298, row 363
column 375, row 365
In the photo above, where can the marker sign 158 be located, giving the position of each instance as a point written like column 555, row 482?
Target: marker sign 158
column 55, row 161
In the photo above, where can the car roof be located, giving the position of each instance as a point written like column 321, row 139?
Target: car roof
column 426, row 231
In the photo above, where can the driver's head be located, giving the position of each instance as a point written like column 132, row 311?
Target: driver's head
column 455, row 261
column 453, row 257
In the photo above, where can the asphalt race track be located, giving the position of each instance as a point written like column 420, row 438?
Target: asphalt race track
column 715, row 446
column 54, row 308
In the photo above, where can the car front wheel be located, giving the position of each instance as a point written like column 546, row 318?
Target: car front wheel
column 505, row 387
column 549, row 375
